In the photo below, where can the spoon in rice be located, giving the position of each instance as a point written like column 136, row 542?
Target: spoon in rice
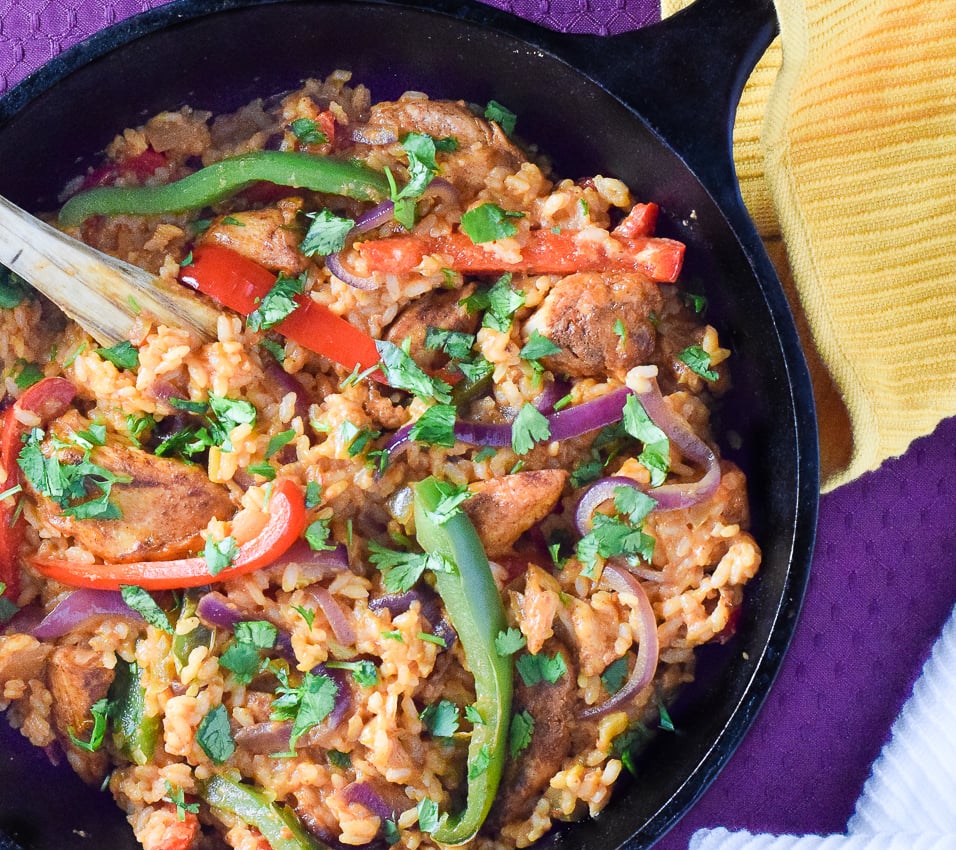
column 107, row 297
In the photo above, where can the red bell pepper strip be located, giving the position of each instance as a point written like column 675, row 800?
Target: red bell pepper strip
column 640, row 221
column 46, row 400
column 287, row 517
column 240, row 284
column 545, row 252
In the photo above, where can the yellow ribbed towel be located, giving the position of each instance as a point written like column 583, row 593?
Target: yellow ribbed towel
column 845, row 143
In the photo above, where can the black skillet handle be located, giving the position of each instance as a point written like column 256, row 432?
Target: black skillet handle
column 684, row 76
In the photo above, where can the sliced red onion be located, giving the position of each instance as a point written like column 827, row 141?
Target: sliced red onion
column 264, row 738
column 337, row 618
column 374, row 217
column 218, row 612
column 483, row 434
column 335, row 265
column 24, row 621
column 399, row 603
column 367, row 221
column 365, row 795
column 314, row 565
column 582, row 418
column 80, row 606
column 648, row 650
column 286, row 383
column 596, row 495
column 552, row 393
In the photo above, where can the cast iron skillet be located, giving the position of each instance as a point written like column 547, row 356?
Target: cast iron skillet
column 652, row 107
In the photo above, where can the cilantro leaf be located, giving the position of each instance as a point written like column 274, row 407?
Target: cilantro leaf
column 427, row 815
column 509, row 642
column 100, row 711
column 307, row 706
column 220, row 554
column 519, row 735
column 456, row 344
column 214, row 735
column 535, row 669
column 488, row 222
column 364, row 672
column 327, row 234
column 317, row 535
column 698, row 360
column 656, row 453
column 451, row 498
column 614, row 675
column 441, row 718
column 436, row 426
column 402, row 372
column 277, row 304
column 177, row 797
column 123, row 355
column 401, row 570
column 633, row 503
column 530, row 426
column 139, row 600
column 338, row 759
column 610, row 537
column 13, row 289
column 502, row 304
column 479, row 764
column 502, row 116
column 28, row 375
column 538, row 346
column 307, row 131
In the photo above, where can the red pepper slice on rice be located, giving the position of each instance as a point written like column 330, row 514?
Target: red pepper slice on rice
column 45, row 400
column 240, row 284
column 287, row 516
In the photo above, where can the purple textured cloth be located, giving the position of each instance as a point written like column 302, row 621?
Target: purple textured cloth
column 884, row 575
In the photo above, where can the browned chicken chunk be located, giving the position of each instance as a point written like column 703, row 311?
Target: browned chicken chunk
column 602, row 322
column 482, row 145
column 163, row 507
column 270, row 237
column 552, row 706
column 440, row 308
column 502, row 509
column 77, row 680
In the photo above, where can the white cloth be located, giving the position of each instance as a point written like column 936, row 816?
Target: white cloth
column 909, row 800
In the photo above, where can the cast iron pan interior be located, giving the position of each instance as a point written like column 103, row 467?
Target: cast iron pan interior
column 579, row 98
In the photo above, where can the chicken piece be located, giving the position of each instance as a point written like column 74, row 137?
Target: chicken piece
column 163, row 508
column 77, row 680
column 554, row 711
column 502, row 509
column 537, row 607
column 269, row 236
column 482, row 145
column 440, row 308
column 603, row 323
column 22, row 657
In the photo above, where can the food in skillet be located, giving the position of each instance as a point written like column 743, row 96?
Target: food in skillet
column 415, row 552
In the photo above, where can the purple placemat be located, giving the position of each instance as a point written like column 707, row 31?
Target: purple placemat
column 884, row 576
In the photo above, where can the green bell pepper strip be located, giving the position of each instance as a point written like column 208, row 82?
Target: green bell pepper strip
column 134, row 734
column 475, row 609
column 278, row 825
column 215, row 182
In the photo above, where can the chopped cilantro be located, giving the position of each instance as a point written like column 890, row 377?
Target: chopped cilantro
column 697, row 303
column 535, row 669
column 538, row 346
column 698, row 360
column 500, row 304
column 313, row 494
column 420, row 149
column 438, row 640
column 451, row 498
column 656, row 453
column 620, row 332
column 488, row 222
column 402, row 372
column 436, row 426
column 479, row 764
column 530, row 426
column 586, row 472
column 13, row 289
column 307, row 614
column 627, row 745
column 214, row 735
column 502, row 116
column 139, row 600
column 484, row 454
column 633, row 503
column 307, row 705
column 100, row 710
column 123, row 355
column 473, row 716
column 665, row 722
column 609, row 537
column 232, row 221
column 476, row 370
column 187, row 260
column 177, row 797
column 277, row 304
column 220, row 554
column 441, row 718
column 263, row 469
column 393, row 634
column 614, row 675
column 364, row 672
column 242, row 656
column 274, row 348
column 509, row 642
column 327, row 234
column 317, row 535
column 307, row 131
column 338, row 759
column 28, row 375
column 456, row 344
column 401, row 570
column 519, row 735
column 390, row 832
column 427, row 815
